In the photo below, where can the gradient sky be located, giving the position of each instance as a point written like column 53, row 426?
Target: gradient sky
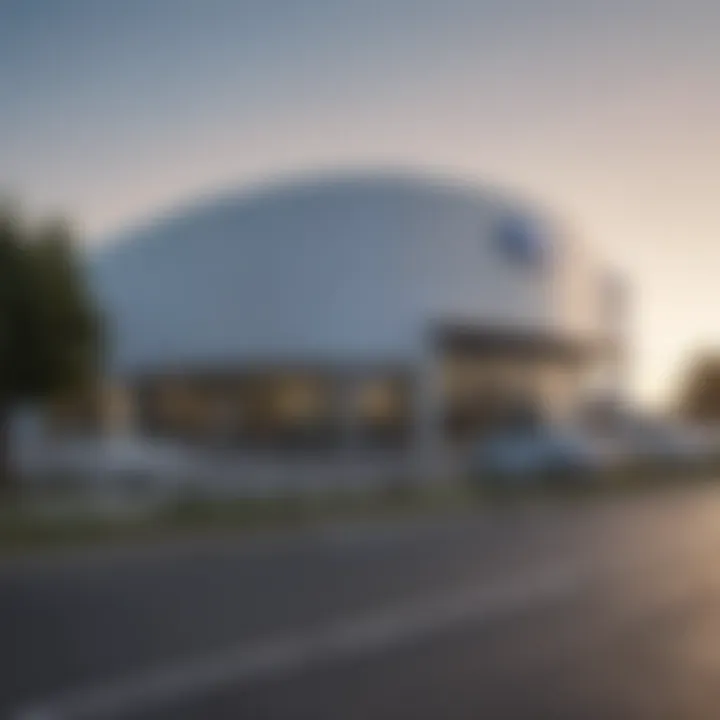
column 608, row 111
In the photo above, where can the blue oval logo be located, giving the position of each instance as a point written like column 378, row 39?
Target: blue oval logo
column 521, row 240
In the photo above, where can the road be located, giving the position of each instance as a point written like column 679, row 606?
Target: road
column 601, row 609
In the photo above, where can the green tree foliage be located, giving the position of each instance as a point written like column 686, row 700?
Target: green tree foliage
column 49, row 328
column 700, row 395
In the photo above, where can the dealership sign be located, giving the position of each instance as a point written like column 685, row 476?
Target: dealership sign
column 521, row 239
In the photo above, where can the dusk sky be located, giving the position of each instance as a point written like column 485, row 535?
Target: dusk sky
column 606, row 111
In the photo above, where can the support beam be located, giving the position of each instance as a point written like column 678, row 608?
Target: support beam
column 347, row 388
column 430, row 450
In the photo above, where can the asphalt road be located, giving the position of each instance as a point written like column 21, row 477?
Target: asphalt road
column 602, row 609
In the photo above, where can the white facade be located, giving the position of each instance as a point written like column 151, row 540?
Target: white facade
column 339, row 269
column 343, row 270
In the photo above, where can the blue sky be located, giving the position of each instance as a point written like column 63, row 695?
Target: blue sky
column 607, row 111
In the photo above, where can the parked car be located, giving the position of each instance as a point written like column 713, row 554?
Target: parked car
column 525, row 455
column 109, row 463
column 668, row 445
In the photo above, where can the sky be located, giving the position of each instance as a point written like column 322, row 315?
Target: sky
column 606, row 111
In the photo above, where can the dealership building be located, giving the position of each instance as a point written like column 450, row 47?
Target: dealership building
column 356, row 312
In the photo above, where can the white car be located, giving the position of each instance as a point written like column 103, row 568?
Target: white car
column 669, row 444
column 526, row 454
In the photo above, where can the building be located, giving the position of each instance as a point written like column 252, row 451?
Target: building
column 356, row 312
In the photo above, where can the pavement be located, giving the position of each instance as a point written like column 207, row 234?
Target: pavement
column 589, row 609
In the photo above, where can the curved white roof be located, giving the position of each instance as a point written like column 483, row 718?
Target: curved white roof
column 338, row 268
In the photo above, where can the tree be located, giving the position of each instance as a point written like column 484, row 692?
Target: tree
column 49, row 328
column 700, row 394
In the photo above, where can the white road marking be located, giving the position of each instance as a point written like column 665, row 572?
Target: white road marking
column 175, row 682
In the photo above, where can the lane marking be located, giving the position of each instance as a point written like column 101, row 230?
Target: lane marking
column 172, row 683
